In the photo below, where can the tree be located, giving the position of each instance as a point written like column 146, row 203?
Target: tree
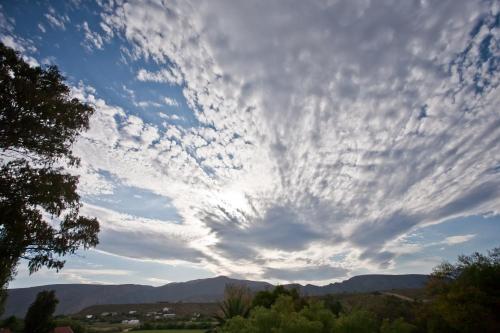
column 397, row 326
column 358, row 321
column 266, row 298
column 318, row 312
column 75, row 325
column 14, row 324
column 332, row 304
column 282, row 318
column 465, row 295
column 237, row 302
column 39, row 316
column 40, row 219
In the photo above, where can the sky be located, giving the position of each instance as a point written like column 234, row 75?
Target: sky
column 285, row 141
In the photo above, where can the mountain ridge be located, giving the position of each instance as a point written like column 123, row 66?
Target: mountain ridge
column 75, row 297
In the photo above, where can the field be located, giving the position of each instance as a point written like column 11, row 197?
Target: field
column 181, row 309
column 170, row 331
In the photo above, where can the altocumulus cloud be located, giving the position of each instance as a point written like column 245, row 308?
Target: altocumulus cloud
column 322, row 127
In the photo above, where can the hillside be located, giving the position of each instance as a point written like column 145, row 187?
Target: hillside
column 75, row 297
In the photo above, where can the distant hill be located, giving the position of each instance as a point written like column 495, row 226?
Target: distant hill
column 75, row 297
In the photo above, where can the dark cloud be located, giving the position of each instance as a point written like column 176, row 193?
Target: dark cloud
column 280, row 228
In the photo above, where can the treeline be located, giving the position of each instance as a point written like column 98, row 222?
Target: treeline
column 460, row 297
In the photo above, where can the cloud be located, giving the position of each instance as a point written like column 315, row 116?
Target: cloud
column 92, row 39
column 24, row 46
column 55, row 20
column 318, row 273
column 318, row 128
column 454, row 240
column 141, row 238
column 41, row 28
column 170, row 101
column 167, row 75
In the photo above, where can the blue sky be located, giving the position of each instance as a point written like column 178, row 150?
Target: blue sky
column 290, row 142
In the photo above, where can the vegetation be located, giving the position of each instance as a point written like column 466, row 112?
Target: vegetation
column 266, row 298
column 236, row 303
column 453, row 291
column 466, row 295
column 75, row 325
column 13, row 323
column 462, row 297
column 40, row 217
column 39, row 316
column 172, row 331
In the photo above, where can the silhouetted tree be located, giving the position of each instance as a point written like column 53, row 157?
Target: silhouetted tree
column 39, row 316
column 39, row 207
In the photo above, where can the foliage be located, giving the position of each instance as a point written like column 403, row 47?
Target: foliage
column 237, row 302
column 397, row 326
column 75, row 325
column 358, row 321
column 39, row 316
column 466, row 295
column 13, row 323
column 318, row 312
column 282, row 318
column 266, row 298
column 40, row 217
column 152, row 326
column 333, row 304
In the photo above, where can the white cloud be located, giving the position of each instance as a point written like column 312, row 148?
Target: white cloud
column 167, row 75
column 320, row 127
column 170, row 101
column 92, row 39
column 41, row 28
column 56, row 20
column 454, row 240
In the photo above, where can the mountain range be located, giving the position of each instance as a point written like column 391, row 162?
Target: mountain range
column 75, row 297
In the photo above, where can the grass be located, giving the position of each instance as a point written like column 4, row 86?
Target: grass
column 170, row 331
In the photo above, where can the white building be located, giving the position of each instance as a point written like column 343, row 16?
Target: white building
column 169, row 315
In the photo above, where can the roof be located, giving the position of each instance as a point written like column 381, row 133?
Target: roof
column 5, row 330
column 63, row 329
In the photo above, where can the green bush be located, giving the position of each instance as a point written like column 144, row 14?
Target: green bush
column 358, row 321
column 397, row 326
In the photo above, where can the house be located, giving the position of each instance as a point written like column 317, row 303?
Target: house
column 89, row 316
column 132, row 312
column 169, row 315
column 166, row 309
column 104, row 314
column 63, row 329
column 131, row 322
